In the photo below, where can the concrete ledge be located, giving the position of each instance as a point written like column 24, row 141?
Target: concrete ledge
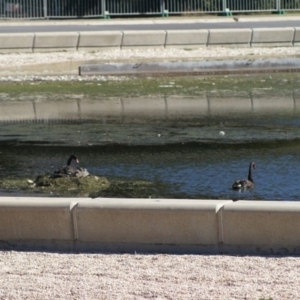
column 186, row 38
column 297, row 37
column 261, row 227
column 99, row 40
column 16, row 42
column 146, row 38
column 230, row 38
column 272, row 37
column 150, row 225
column 149, row 222
column 72, row 41
column 57, row 41
column 36, row 220
column 193, row 67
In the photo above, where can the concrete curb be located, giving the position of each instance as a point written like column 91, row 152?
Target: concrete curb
column 76, row 41
column 193, row 67
column 150, row 225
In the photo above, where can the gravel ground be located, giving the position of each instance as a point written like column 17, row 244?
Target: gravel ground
column 155, row 53
column 30, row 275
column 134, row 276
column 170, row 54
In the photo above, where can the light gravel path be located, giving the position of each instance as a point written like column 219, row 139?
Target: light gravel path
column 147, row 54
column 25, row 275
column 13, row 62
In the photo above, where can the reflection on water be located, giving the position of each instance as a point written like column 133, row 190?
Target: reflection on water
column 238, row 128
column 188, row 153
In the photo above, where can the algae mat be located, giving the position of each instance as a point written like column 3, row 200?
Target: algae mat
column 130, row 86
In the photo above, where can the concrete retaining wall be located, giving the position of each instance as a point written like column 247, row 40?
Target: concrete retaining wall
column 88, row 41
column 273, row 37
column 147, row 38
column 229, row 38
column 16, row 42
column 150, row 225
column 204, row 67
column 58, row 41
column 190, row 38
column 72, row 41
column 261, row 227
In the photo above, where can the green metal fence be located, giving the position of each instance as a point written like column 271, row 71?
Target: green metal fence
column 54, row 9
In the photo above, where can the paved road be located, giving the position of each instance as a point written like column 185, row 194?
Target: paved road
column 107, row 25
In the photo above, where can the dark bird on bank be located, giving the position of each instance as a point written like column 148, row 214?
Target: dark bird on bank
column 245, row 183
column 69, row 170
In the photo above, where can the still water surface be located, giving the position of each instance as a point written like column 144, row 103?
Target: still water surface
column 189, row 154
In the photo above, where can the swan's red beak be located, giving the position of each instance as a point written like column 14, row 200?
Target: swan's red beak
column 254, row 166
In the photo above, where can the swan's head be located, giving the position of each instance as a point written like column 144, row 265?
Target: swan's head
column 74, row 157
column 253, row 164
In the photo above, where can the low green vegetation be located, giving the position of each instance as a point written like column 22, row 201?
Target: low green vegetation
column 154, row 86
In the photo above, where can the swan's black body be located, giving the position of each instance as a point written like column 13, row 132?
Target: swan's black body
column 245, row 183
column 70, row 171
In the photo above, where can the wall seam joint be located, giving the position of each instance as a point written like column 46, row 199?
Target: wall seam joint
column 122, row 40
column 294, row 36
column 219, row 212
column 251, row 37
column 73, row 210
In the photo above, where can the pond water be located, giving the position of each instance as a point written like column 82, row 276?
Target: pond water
column 186, row 152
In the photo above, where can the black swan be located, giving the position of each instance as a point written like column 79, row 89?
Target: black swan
column 70, row 171
column 245, row 183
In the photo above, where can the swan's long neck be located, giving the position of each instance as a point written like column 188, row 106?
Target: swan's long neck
column 69, row 161
column 250, row 173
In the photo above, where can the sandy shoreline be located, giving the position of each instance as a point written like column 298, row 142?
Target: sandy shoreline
column 29, row 275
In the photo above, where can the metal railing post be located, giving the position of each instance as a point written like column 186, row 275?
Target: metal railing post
column 224, row 4
column 279, row 10
column 225, row 9
column 45, row 9
column 103, row 5
column 163, row 11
